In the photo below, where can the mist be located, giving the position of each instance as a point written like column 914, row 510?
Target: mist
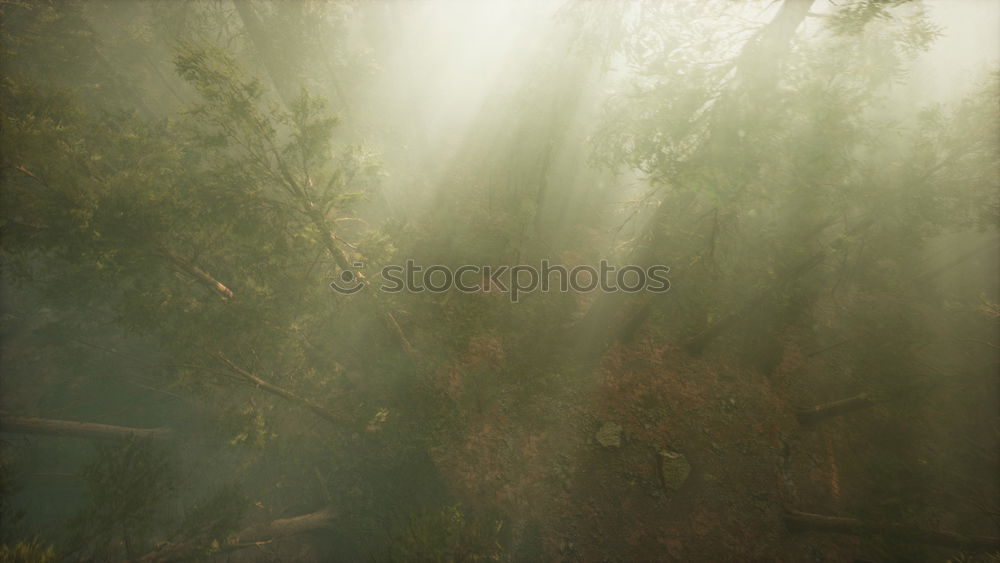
column 500, row 280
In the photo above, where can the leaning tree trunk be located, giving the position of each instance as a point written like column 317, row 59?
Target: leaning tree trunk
column 757, row 67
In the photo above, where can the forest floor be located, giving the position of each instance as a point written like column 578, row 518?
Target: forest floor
column 539, row 462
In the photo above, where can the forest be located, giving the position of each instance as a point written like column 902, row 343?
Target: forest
column 484, row 280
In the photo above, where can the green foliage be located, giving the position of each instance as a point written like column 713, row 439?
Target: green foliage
column 33, row 551
column 51, row 39
column 211, row 520
column 176, row 171
column 9, row 515
column 445, row 535
column 853, row 17
column 248, row 426
column 127, row 485
column 753, row 178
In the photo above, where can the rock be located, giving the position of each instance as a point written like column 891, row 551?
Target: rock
column 610, row 435
column 674, row 469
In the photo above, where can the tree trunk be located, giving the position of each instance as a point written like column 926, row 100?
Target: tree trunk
column 804, row 521
column 757, row 61
column 262, row 45
column 31, row 425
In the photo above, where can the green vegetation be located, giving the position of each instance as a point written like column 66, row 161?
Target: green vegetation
column 182, row 181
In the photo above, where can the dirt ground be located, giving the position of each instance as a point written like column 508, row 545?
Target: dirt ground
column 573, row 499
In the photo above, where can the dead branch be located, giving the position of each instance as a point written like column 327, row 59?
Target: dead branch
column 280, row 392
column 814, row 415
column 201, row 275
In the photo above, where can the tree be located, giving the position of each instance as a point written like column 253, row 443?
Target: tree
column 179, row 193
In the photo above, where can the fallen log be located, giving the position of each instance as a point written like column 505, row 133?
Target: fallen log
column 285, row 527
column 806, row 522
column 257, row 535
column 814, row 415
column 52, row 427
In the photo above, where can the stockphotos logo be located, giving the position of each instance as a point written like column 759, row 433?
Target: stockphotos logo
column 516, row 281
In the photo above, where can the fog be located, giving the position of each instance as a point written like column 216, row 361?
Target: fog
column 510, row 280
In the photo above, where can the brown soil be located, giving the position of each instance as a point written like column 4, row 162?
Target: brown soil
column 538, row 462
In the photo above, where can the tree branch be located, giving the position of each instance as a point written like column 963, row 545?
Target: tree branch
column 281, row 392
column 201, row 275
